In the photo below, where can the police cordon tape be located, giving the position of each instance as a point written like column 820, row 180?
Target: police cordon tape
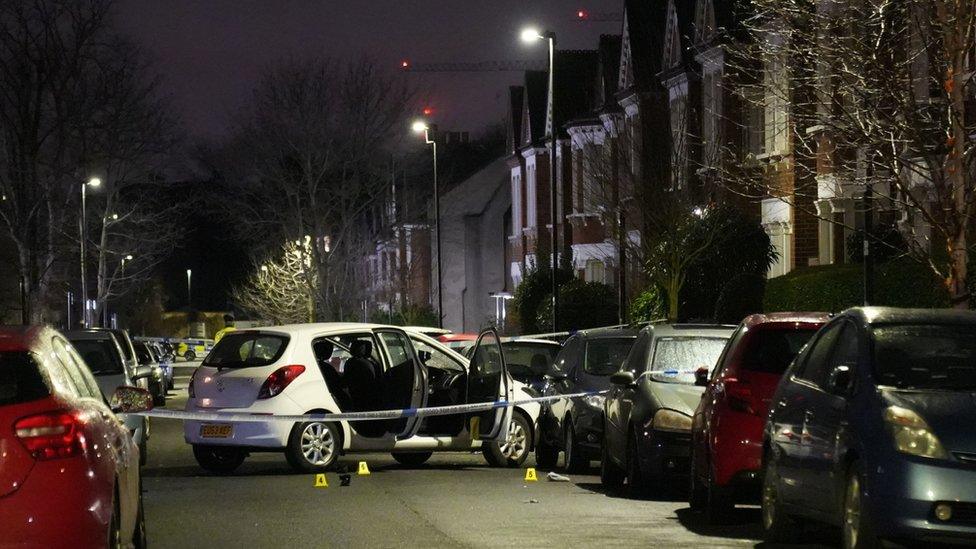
column 360, row 416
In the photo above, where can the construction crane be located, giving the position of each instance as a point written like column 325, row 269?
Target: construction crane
column 478, row 66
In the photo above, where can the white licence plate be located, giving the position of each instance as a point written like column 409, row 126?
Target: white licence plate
column 216, row 431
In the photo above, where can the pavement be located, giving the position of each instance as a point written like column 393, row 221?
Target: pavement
column 454, row 500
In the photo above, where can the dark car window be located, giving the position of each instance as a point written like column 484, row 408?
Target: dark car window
column 771, row 350
column 75, row 371
column 123, row 340
column 605, row 355
column 566, row 358
column 20, row 378
column 637, row 357
column 525, row 358
column 817, row 361
column 926, row 356
column 100, row 355
column 143, row 354
column 245, row 349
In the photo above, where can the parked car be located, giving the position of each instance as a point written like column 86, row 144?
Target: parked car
column 529, row 360
column 872, row 430
column 727, row 428
column 585, row 363
column 458, row 342
column 647, row 414
column 165, row 363
column 56, row 492
column 103, row 356
column 193, row 349
column 296, row 370
column 157, row 385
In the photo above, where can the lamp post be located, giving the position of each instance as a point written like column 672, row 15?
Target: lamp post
column 418, row 127
column 94, row 183
column 530, row 35
column 189, row 294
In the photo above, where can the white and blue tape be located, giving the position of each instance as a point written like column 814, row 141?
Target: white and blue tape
column 358, row 416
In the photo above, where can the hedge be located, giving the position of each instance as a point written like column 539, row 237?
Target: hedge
column 897, row 283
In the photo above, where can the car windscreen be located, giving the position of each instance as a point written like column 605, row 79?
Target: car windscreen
column 143, row 354
column 605, row 355
column 123, row 343
column 246, row 349
column 676, row 359
column 771, row 350
column 926, row 356
column 20, row 378
column 525, row 358
column 101, row 356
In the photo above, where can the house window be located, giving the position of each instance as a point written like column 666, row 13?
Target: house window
column 516, row 204
column 776, row 101
column 711, row 119
column 530, row 205
column 595, row 271
column 679, row 125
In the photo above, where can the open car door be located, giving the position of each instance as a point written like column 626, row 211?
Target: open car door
column 405, row 382
column 488, row 381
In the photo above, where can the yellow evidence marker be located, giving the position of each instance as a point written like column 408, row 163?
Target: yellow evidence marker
column 363, row 468
column 530, row 475
column 320, row 481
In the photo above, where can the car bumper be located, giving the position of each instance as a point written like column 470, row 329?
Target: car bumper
column 736, row 450
column 588, row 428
column 254, row 434
column 666, row 453
column 903, row 496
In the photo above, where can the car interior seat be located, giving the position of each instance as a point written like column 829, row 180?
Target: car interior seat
column 323, row 349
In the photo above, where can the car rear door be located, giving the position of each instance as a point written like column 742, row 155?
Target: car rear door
column 488, row 381
column 405, row 379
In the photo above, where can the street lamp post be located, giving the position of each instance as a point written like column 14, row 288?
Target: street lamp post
column 531, row 35
column 189, row 294
column 420, row 126
column 94, row 182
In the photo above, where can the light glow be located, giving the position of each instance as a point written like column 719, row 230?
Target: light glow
column 530, row 35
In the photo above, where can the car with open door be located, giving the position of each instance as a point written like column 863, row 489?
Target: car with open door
column 340, row 367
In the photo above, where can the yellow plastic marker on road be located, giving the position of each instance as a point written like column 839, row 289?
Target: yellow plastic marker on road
column 530, row 475
column 363, row 468
column 320, row 481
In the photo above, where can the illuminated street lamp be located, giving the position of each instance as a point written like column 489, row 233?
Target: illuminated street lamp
column 531, row 35
column 94, row 183
column 189, row 295
column 419, row 126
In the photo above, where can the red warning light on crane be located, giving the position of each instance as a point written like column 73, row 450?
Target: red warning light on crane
column 428, row 111
column 582, row 14
column 405, row 64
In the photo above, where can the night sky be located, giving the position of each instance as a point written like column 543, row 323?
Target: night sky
column 210, row 52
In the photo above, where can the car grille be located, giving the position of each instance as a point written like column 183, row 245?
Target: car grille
column 968, row 459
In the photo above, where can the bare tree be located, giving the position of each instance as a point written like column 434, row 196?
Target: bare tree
column 283, row 288
column 871, row 97
column 305, row 162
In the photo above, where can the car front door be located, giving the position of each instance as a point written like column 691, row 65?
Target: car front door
column 620, row 398
column 488, row 381
column 405, row 380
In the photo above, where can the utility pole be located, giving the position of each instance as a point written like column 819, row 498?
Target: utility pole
column 868, row 204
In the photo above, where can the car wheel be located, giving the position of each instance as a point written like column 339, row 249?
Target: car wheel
column 546, row 455
column 611, row 476
column 857, row 529
column 159, row 394
column 412, row 459
column 218, row 459
column 114, row 536
column 777, row 526
column 574, row 459
column 139, row 534
column 636, row 479
column 190, row 356
column 313, row 446
column 514, row 448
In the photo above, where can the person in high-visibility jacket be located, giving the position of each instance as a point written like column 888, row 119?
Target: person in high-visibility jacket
column 228, row 328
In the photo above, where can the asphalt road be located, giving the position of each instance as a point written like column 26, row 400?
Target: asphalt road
column 454, row 500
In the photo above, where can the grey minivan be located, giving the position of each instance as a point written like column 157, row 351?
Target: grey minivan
column 648, row 411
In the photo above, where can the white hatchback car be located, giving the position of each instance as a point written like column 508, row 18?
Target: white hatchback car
column 351, row 367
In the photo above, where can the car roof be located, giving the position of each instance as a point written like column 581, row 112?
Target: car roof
column 529, row 340
column 608, row 332
column 427, row 330
column 803, row 317
column 702, row 330
column 318, row 327
column 894, row 315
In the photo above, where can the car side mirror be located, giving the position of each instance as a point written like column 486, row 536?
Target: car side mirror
column 701, row 377
column 130, row 400
column 623, row 378
column 556, row 375
column 839, row 380
column 141, row 372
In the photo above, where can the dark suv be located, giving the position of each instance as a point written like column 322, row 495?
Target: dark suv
column 585, row 363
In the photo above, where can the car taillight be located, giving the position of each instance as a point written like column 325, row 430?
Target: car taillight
column 50, row 436
column 279, row 379
column 740, row 397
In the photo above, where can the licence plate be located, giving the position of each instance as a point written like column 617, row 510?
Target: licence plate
column 216, row 431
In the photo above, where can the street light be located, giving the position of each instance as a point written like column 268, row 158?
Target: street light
column 420, row 126
column 530, row 35
column 94, row 183
column 189, row 295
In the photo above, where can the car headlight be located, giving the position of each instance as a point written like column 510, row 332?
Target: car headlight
column 595, row 401
column 912, row 435
column 670, row 420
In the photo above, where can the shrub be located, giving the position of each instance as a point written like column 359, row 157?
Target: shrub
column 649, row 305
column 534, row 291
column 740, row 297
column 582, row 305
column 901, row 282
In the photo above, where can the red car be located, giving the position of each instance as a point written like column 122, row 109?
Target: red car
column 727, row 427
column 69, row 469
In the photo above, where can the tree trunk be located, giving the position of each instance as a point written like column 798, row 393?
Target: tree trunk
column 956, row 172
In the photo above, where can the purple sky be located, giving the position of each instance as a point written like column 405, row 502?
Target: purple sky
column 210, row 52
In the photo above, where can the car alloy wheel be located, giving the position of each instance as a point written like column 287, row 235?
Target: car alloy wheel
column 778, row 527
column 852, row 512
column 515, row 445
column 318, row 444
